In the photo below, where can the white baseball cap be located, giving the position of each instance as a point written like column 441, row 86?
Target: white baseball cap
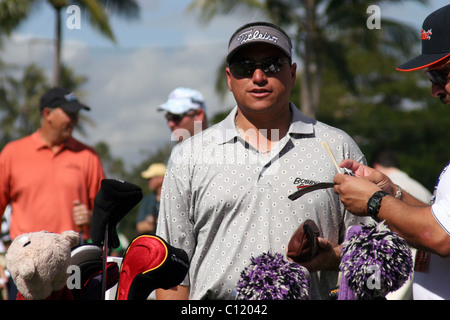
column 182, row 100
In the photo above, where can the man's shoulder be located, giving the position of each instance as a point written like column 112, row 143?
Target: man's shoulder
column 77, row 145
column 325, row 129
column 18, row 143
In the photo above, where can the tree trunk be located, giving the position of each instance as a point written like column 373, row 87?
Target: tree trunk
column 308, row 97
column 58, row 39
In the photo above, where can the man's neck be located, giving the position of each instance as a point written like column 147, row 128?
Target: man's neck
column 50, row 140
column 261, row 131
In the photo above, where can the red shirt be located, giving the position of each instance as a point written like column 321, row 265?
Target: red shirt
column 41, row 185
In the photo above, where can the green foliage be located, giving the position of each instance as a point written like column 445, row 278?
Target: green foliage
column 20, row 92
column 12, row 12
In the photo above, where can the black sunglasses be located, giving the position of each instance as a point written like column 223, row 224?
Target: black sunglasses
column 438, row 76
column 178, row 117
column 246, row 68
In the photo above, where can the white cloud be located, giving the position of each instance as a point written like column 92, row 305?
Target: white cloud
column 126, row 87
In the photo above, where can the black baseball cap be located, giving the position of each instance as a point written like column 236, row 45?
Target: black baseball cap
column 435, row 36
column 62, row 98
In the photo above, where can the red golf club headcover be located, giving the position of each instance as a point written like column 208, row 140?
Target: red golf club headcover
column 150, row 263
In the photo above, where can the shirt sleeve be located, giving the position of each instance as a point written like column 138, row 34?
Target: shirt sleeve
column 352, row 151
column 441, row 206
column 174, row 223
column 96, row 175
column 4, row 180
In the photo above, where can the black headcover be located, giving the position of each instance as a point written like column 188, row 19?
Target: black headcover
column 112, row 202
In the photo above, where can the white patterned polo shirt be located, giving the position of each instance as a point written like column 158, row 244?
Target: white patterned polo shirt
column 224, row 202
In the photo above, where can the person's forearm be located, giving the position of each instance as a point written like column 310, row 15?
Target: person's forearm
column 416, row 224
column 411, row 200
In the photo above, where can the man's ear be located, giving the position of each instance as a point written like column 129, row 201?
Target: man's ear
column 293, row 72
column 200, row 116
column 45, row 112
column 228, row 72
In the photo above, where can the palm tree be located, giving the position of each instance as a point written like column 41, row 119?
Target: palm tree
column 12, row 12
column 323, row 31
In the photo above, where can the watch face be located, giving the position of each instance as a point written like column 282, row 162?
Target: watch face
column 374, row 204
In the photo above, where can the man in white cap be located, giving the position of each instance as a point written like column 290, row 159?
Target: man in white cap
column 185, row 113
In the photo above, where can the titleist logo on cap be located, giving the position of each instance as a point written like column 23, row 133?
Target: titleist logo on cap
column 255, row 35
column 259, row 34
column 70, row 97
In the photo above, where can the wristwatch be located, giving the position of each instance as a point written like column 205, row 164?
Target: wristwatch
column 374, row 204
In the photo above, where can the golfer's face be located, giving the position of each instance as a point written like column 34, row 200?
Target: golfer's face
column 441, row 89
column 62, row 123
column 260, row 91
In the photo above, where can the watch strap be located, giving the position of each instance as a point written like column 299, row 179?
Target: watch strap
column 374, row 204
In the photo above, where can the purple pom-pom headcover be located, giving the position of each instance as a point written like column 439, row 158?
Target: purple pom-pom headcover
column 271, row 277
column 375, row 261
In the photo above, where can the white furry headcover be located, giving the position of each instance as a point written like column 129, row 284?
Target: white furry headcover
column 38, row 262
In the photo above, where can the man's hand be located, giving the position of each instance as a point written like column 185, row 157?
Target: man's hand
column 371, row 174
column 81, row 214
column 355, row 192
column 327, row 257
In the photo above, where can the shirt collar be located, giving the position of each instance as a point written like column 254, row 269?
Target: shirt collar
column 301, row 124
column 68, row 144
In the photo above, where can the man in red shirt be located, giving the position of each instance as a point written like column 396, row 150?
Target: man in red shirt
column 49, row 178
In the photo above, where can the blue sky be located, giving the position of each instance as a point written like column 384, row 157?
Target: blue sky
column 167, row 23
column 165, row 49
column 161, row 23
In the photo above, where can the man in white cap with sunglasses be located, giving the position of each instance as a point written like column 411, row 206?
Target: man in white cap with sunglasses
column 424, row 226
column 185, row 113
column 225, row 197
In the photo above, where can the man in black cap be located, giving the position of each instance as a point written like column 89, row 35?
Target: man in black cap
column 48, row 177
column 426, row 227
